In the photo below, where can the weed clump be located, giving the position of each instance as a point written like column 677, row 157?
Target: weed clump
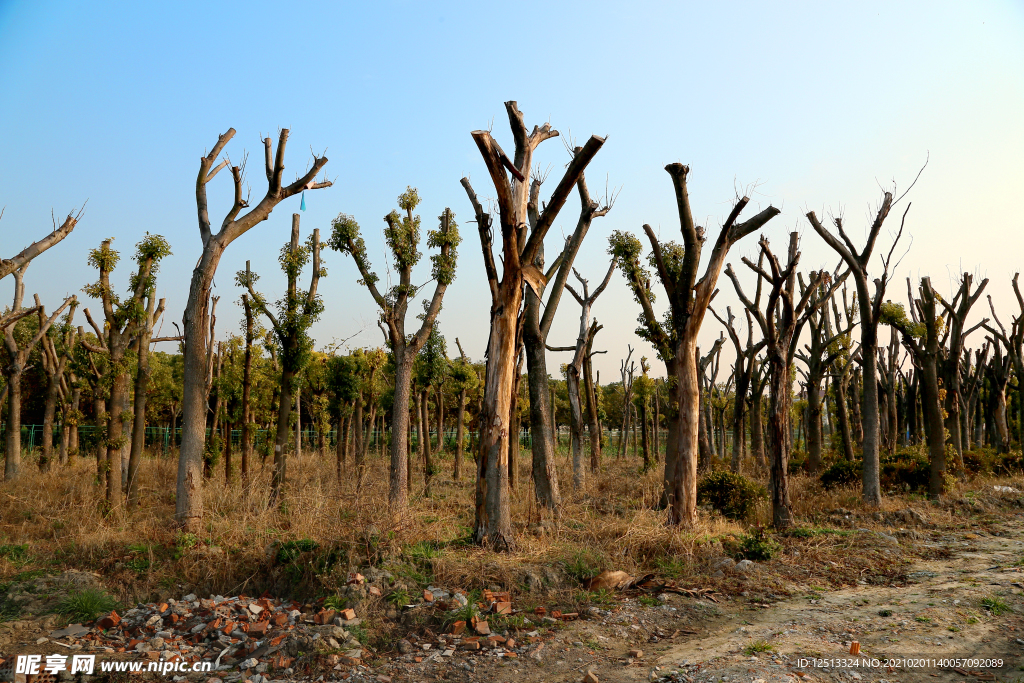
column 733, row 495
column 86, row 605
column 841, row 473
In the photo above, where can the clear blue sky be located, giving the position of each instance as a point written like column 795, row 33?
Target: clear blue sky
column 820, row 104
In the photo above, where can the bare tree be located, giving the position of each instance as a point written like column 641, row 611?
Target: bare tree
column 785, row 316
column 921, row 336
column 626, row 372
column 574, row 369
column 688, row 300
column 951, row 350
column 25, row 256
column 402, row 235
column 188, row 507
column 1013, row 343
column 54, row 363
column 825, row 348
column 870, row 307
column 522, row 239
column 537, row 318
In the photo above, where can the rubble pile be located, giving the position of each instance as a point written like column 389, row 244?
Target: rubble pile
column 248, row 632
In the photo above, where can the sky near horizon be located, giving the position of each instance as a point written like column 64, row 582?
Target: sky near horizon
column 808, row 106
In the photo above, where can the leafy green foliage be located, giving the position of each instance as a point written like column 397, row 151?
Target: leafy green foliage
column 86, row 605
column 895, row 315
column 446, row 235
column 758, row 545
column 995, row 605
column 731, row 494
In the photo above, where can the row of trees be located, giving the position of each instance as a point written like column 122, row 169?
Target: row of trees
column 404, row 381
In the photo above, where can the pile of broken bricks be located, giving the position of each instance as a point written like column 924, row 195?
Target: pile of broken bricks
column 264, row 633
column 476, row 635
column 231, row 631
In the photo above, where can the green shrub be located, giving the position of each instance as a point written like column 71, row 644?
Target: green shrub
column 758, row 545
column 841, row 473
column 733, row 495
column 907, row 470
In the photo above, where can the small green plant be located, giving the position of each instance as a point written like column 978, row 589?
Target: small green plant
column 17, row 554
column 995, row 605
column 583, row 565
column 885, row 612
column 398, row 598
column 422, row 551
column 731, row 494
column 289, row 551
column 923, row 620
column 335, row 602
column 85, row 605
column 758, row 646
column 360, row 633
column 648, row 601
column 758, row 545
column 972, row 620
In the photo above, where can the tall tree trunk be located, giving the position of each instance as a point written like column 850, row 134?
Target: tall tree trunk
column 843, row 415
column 284, row 414
column 645, row 435
column 49, row 410
column 115, row 436
column 999, row 417
column 592, row 415
column 813, row 426
column 12, row 454
column 398, row 492
column 460, row 434
column 778, row 424
column 575, row 426
column 247, row 390
column 757, row 430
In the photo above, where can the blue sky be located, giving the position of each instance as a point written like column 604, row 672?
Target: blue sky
column 818, row 105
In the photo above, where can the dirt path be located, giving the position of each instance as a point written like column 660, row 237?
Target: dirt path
column 939, row 613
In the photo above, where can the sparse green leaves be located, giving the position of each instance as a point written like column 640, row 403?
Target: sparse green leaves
column 895, row 315
column 447, row 239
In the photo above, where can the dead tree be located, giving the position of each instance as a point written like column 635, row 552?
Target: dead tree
column 785, row 315
column 742, row 370
column 705, row 387
column 17, row 360
column 744, row 354
column 521, row 239
column 951, row 351
column 889, row 364
column 626, row 371
column 589, row 386
column 537, row 318
column 870, row 307
column 921, row 336
column 297, row 311
column 825, row 348
column 574, row 369
column 402, row 235
column 1013, row 343
column 974, row 377
column 688, row 301
column 25, row 256
column 188, row 507
column 54, row 363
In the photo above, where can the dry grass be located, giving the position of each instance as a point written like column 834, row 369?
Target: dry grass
column 611, row 523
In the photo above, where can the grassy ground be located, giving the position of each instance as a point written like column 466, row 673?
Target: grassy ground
column 52, row 521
